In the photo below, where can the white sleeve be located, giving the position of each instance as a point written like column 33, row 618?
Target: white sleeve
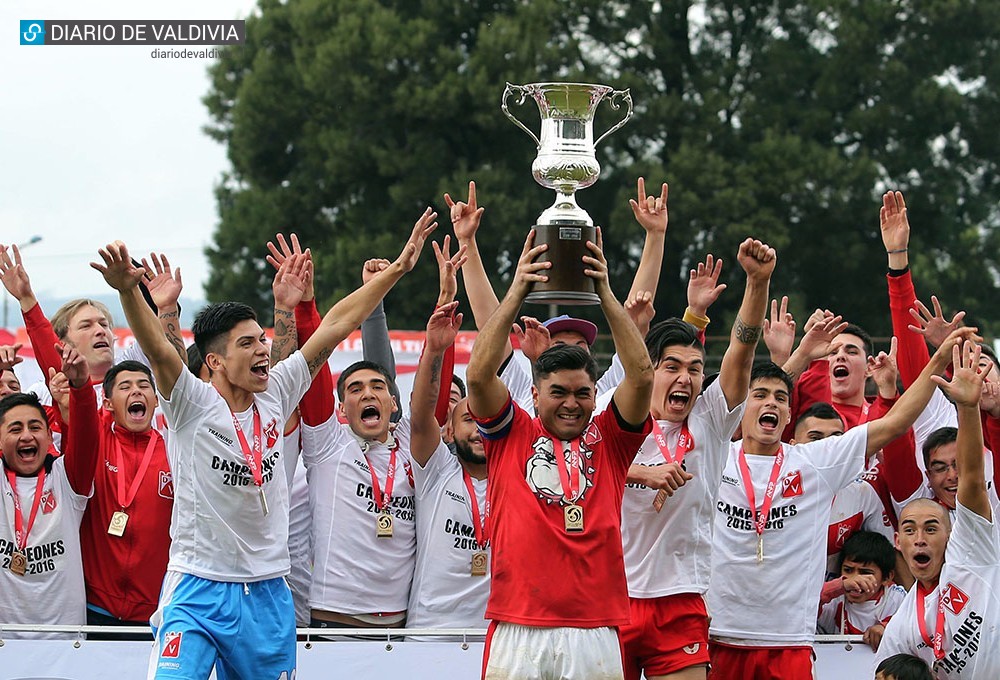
column 426, row 477
column 612, row 377
column 974, row 540
column 518, row 382
column 938, row 413
column 188, row 400
column 291, row 378
column 873, row 511
column 839, row 459
column 324, row 441
column 895, row 640
column 134, row 353
column 724, row 420
column 826, row 624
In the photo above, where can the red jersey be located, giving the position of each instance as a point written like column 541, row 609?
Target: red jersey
column 541, row 574
column 124, row 573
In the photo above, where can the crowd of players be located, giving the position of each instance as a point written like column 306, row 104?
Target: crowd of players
column 656, row 520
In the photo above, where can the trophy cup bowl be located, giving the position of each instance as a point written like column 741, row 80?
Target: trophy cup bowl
column 566, row 162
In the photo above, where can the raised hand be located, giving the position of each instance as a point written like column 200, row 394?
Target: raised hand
column 884, row 370
column 779, row 332
column 8, row 357
column 448, row 266
column 933, row 326
column 818, row 341
column 597, row 265
column 442, row 327
column 893, row 223
column 817, row 316
column 282, row 251
column 757, row 259
column 423, row 227
column 74, row 366
column 640, row 309
column 650, row 212
column 118, row 270
column 13, row 276
column 528, row 271
column 966, row 385
column 703, row 287
column 163, row 283
column 465, row 217
column 534, row 339
column 989, row 400
column 372, row 268
column 59, row 389
column 291, row 280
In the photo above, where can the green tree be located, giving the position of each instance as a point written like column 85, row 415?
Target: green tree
column 780, row 120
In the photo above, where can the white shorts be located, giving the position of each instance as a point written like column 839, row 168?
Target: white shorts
column 533, row 653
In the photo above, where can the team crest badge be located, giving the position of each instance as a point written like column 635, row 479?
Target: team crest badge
column 48, row 502
column 954, row 599
column 171, row 645
column 271, row 433
column 791, row 485
column 166, row 489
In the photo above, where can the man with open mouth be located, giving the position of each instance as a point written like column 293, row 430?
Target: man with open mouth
column 224, row 600
column 771, row 520
column 949, row 618
column 43, row 501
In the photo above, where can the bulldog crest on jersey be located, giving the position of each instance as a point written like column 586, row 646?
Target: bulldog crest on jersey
column 542, row 471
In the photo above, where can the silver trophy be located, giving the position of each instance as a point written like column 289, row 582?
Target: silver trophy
column 566, row 161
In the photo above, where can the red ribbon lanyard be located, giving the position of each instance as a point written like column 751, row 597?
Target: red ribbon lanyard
column 937, row 642
column 382, row 500
column 478, row 522
column 685, row 443
column 20, row 533
column 571, row 486
column 760, row 516
column 252, row 457
column 126, row 500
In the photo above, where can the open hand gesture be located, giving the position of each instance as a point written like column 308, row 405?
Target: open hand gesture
column 703, row 287
column 818, row 341
column 13, row 275
column 534, row 339
column 650, row 211
column 163, row 283
column 966, row 383
column 421, row 230
column 118, row 270
column 292, row 280
column 640, row 309
column 934, row 327
column 442, row 327
column 893, row 223
column 779, row 332
column 282, row 251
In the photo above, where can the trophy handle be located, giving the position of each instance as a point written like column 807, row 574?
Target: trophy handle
column 522, row 91
column 623, row 95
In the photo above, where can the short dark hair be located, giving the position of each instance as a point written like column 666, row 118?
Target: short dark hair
column 215, row 321
column 869, row 547
column 564, row 358
column 127, row 365
column 937, row 439
column 821, row 410
column 765, row 370
column 988, row 351
column 669, row 333
column 866, row 339
column 195, row 361
column 460, row 384
column 22, row 399
column 904, row 667
column 361, row 366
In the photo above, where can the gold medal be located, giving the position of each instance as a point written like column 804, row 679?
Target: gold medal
column 18, row 563
column 573, row 517
column 383, row 525
column 263, row 500
column 480, row 561
column 760, row 548
column 118, row 522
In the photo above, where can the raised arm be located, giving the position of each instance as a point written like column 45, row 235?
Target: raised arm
column 487, row 394
column 119, row 273
column 758, row 260
column 632, row 396
column 40, row 333
column 425, row 433
column 348, row 314
column 164, row 285
column 293, row 281
column 81, row 441
column 779, row 332
column 904, row 412
column 651, row 214
column 964, row 389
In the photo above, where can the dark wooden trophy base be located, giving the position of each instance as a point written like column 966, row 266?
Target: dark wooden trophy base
column 567, row 284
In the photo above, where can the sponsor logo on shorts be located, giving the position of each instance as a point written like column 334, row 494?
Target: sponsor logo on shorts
column 692, row 649
column 171, row 645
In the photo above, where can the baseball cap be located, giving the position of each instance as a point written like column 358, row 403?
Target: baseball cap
column 565, row 322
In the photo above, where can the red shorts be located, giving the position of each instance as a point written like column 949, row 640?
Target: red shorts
column 761, row 663
column 667, row 634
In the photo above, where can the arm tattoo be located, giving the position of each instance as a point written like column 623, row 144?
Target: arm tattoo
column 285, row 340
column 748, row 335
column 436, row 371
column 319, row 360
column 170, row 325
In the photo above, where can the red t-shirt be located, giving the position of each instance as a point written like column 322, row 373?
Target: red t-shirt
column 542, row 575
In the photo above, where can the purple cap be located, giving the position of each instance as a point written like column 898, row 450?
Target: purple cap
column 564, row 322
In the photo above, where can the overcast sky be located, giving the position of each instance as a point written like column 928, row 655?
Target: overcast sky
column 105, row 142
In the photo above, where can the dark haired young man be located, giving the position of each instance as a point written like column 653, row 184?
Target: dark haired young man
column 773, row 508
column 555, row 493
column 43, row 501
column 902, row 667
column 224, row 600
column 949, row 618
column 668, row 543
column 126, row 530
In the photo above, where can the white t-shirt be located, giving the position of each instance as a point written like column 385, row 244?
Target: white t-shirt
column 969, row 582
column 774, row 603
column 218, row 529
column 445, row 594
column 52, row 590
column 670, row 551
column 299, row 533
column 354, row 571
column 856, row 507
column 860, row 615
